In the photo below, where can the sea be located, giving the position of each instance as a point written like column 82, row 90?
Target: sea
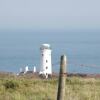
column 20, row 48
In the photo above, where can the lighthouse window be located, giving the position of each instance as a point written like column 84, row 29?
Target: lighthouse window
column 46, row 67
column 42, row 54
column 46, row 61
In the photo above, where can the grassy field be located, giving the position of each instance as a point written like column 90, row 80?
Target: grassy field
column 14, row 88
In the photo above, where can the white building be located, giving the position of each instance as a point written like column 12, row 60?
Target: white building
column 34, row 69
column 26, row 69
column 46, row 65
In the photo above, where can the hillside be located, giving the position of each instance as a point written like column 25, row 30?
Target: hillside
column 24, row 88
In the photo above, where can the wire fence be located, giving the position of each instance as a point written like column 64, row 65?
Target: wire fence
column 79, row 65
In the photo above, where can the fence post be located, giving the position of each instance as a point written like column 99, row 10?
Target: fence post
column 62, row 78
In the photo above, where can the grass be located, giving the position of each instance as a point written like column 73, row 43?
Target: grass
column 14, row 88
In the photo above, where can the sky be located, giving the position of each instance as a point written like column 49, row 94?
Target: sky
column 49, row 14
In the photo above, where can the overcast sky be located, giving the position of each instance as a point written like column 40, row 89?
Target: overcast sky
column 49, row 14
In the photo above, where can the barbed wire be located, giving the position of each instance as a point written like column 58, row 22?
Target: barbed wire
column 80, row 65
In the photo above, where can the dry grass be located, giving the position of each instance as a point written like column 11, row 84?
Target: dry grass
column 14, row 88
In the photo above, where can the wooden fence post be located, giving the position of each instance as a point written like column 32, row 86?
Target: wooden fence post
column 62, row 78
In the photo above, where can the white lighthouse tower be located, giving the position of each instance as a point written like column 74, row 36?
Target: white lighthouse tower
column 46, row 65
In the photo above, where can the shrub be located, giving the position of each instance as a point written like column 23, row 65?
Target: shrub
column 11, row 84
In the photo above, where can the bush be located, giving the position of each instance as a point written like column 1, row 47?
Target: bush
column 11, row 84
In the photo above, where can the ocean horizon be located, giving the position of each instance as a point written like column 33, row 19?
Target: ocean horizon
column 22, row 48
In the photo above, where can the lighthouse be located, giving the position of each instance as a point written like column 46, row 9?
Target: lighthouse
column 45, row 61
